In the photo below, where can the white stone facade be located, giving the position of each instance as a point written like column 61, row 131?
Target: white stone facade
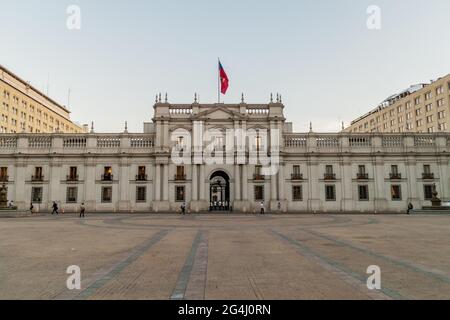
column 136, row 172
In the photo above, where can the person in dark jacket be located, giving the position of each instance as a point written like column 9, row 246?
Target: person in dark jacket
column 82, row 210
column 410, row 208
column 55, row 208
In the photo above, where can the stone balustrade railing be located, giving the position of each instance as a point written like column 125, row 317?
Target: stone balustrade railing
column 292, row 143
column 36, row 143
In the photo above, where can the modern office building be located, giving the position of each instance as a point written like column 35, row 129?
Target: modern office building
column 223, row 157
column 420, row 108
column 23, row 108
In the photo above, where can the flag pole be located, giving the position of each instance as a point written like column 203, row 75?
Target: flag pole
column 218, row 80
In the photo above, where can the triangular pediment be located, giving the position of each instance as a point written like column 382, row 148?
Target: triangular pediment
column 218, row 113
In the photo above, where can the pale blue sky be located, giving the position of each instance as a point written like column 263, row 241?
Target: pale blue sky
column 318, row 54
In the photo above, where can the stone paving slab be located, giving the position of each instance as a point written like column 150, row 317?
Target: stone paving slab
column 158, row 256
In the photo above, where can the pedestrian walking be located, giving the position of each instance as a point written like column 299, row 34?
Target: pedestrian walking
column 82, row 210
column 183, row 208
column 55, row 208
column 31, row 207
column 262, row 207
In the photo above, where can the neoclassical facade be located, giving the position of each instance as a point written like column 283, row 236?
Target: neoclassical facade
column 224, row 157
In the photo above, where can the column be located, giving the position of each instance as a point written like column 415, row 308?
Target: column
column 411, row 176
column 157, row 183
column 166, row 183
column 347, row 201
column 124, row 185
column 237, row 183
column 90, row 191
column 194, row 182
column 244, row 183
column 21, row 199
column 55, row 192
column 202, row 183
column 381, row 202
column 281, row 182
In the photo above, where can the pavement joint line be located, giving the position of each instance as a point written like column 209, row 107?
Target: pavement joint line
column 196, row 288
column 179, row 292
column 114, row 271
column 352, row 278
column 396, row 261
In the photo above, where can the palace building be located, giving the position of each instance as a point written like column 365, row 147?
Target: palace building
column 420, row 108
column 23, row 108
column 225, row 157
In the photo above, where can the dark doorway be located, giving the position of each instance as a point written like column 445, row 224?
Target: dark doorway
column 219, row 192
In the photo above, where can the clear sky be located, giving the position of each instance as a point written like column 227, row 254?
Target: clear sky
column 320, row 55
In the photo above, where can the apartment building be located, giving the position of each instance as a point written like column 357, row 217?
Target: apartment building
column 23, row 108
column 422, row 108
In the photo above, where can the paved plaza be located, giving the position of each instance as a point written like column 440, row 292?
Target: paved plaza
column 218, row 256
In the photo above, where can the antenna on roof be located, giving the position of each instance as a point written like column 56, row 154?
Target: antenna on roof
column 48, row 84
column 68, row 99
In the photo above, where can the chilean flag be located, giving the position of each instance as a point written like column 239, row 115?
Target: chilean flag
column 223, row 79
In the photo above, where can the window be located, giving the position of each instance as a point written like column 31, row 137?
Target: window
column 297, row 194
column 36, row 194
column 141, row 194
column 363, row 193
column 106, row 194
column 72, row 193
column 417, row 101
column 296, row 170
column 141, row 176
column 428, row 95
column 38, row 173
column 440, row 102
column 73, row 175
column 107, row 174
column 429, row 119
column 394, row 169
column 4, row 174
column 430, row 130
column 442, row 126
column 362, row 172
column 329, row 169
column 399, row 109
column 426, row 169
column 428, row 192
column 419, row 123
column 180, row 173
column 440, row 90
column 441, row 115
column 258, row 173
column 429, row 107
column 259, row 193
column 408, row 105
column 418, row 112
column 396, row 192
column 180, row 195
column 330, row 193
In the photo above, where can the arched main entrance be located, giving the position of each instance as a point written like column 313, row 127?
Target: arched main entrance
column 219, row 192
